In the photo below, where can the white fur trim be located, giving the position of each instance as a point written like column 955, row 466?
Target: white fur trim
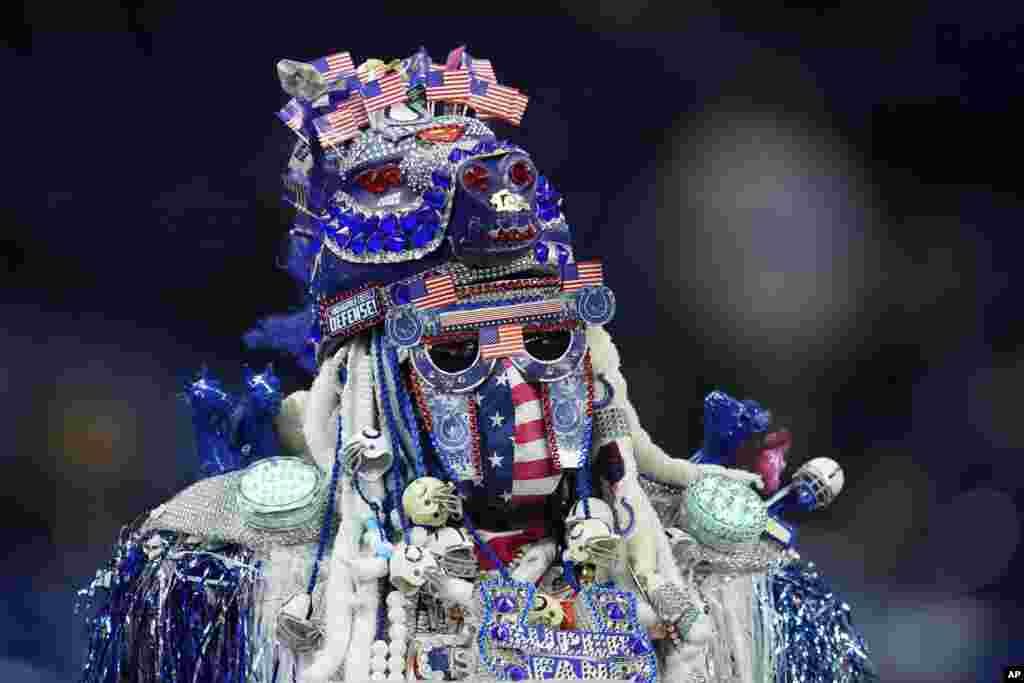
column 350, row 606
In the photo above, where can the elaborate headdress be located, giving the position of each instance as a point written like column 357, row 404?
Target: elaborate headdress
column 404, row 193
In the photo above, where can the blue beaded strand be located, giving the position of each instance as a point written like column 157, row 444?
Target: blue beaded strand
column 405, row 403
column 396, row 442
column 325, row 527
column 382, row 609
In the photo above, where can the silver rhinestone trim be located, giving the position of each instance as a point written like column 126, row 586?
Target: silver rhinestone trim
column 208, row 509
column 609, row 424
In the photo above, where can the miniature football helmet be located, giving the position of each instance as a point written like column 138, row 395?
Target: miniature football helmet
column 454, row 551
column 430, row 502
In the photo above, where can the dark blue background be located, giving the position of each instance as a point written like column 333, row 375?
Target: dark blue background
column 141, row 222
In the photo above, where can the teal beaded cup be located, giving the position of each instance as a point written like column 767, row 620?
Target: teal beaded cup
column 724, row 514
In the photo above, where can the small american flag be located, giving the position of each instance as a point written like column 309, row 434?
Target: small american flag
column 335, row 67
column 336, row 127
column 498, row 100
column 383, row 92
column 453, row 86
column 355, row 106
column 501, row 341
column 579, row 275
column 481, row 68
column 292, row 115
column 433, row 292
column 529, row 309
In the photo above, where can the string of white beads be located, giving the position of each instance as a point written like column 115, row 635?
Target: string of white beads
column 388, row 659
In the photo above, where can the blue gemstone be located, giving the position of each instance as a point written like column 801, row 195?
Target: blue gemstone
column 372, row 224
column 540, row 252
column 343, row 237
column 336, row 211
column 409, row 223
column 548, row 213
column 563, row 254
column 435, row 199
column 515, row 672
column 639, row 645
column 456, row 156
column 358, row 245
column 616, row 612
column 401, row 295
column 543, row 186
column 360, row 226
column 395, row 243
column 389, row 224
column 376, row 242
column 441, row 180
column 428, row 217
column 504, row 604
column 500, row 632
column 422, row 236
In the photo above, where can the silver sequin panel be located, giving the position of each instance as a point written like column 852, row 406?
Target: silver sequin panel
column 208, row 509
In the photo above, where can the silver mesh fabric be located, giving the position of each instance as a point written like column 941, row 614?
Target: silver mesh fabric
column 609, row 424
column 208, row 509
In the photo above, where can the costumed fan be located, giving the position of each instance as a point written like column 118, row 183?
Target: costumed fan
column 465, row 490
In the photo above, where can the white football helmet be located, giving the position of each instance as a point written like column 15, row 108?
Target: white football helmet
column 455, row 552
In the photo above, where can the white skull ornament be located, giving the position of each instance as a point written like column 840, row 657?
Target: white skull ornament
column 545, row 610
column 410, row 567
column 430, row 502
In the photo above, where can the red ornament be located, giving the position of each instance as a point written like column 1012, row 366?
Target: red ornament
column 392, row 175
column 477, row 178
column 380, row 180
column 449, row 133
column 521, row 174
